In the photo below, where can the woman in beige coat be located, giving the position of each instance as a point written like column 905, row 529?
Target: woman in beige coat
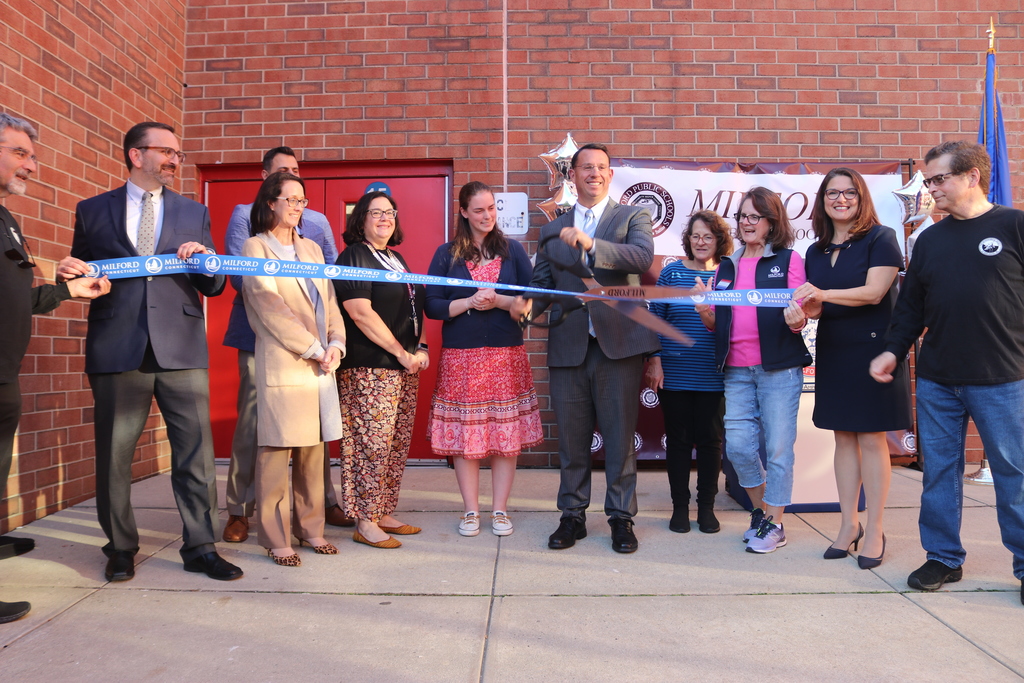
column 300, row 340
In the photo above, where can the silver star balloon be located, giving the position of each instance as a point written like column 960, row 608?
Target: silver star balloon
column 559, row 160
column 562, row 201
column 915, row 200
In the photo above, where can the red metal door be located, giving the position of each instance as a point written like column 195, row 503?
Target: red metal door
column 422, row 193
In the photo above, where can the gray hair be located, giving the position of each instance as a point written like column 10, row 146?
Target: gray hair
column 20, row 125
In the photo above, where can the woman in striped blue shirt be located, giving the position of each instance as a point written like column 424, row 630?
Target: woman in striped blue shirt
column 690, row 390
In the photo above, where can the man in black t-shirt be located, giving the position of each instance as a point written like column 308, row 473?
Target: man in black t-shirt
column 965, row 285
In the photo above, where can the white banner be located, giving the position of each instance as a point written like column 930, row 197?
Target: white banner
column 675, row 194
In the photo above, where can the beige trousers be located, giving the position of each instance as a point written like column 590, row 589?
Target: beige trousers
column 273, row 504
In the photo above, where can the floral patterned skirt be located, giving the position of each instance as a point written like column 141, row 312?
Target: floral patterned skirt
column 484, row 404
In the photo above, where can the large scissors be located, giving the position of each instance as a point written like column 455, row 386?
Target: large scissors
column 627, row 300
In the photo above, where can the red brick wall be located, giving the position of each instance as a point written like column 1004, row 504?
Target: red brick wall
column 686, row 79
column 82, row 73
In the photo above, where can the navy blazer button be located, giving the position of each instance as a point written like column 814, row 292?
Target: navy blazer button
column 149, row 279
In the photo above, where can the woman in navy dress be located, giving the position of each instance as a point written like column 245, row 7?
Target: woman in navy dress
column 851, row 288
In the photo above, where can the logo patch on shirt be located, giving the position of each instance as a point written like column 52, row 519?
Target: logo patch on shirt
column 990, row 246
column 776, row 272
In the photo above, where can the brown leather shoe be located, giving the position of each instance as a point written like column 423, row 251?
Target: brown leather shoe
column 237, row 529
column 335, row 517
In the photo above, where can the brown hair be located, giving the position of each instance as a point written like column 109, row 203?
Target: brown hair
column 865, row 219
column 261, row 216
column 965, row 156
column 495, row 243
column 768, row 204
column 718, row 227
column 355, row 227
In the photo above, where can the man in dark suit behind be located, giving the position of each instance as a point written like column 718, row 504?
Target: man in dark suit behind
column 596, row 356
column 146, row 339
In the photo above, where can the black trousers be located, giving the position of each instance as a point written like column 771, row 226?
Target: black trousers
column 693, row 419
column 10, row 412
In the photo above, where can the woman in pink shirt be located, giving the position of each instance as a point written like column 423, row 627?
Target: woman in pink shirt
column 761, row 353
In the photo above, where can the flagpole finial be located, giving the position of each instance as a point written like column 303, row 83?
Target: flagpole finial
column 991, row 35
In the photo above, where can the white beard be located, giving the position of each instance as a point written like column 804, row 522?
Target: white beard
column 17, row 186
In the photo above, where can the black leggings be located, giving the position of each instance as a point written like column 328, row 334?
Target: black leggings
column 693, row 419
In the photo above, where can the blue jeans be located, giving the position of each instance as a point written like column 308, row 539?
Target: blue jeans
column 757, row 399
column 942, row 414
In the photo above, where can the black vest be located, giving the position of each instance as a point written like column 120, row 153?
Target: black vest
column 781, row 348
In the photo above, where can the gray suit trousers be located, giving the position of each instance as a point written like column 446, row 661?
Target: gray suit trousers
column 122, row 402
column 605, row 393
column 241, row 489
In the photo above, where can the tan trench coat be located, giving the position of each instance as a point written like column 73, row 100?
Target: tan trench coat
column 282, row 316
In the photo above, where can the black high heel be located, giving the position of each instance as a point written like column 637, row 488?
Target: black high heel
column 832, row 553
column 871, row 562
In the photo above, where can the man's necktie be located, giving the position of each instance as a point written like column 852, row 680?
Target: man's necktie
column 147, row 227
column 589, row 226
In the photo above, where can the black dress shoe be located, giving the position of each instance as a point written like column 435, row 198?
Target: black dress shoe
column 20, row 545
column 12, row 545
column 120, row 566
column 11, row 611
column 623, row 538
column 214, row 566
column 570, row 530
column 680, row 522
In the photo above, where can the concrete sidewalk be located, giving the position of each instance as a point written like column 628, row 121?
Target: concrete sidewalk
column 448, row 608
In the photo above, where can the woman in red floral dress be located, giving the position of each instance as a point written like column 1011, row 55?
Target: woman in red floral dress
column 484, row 404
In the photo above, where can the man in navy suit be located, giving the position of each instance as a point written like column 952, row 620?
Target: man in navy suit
column 146, row 339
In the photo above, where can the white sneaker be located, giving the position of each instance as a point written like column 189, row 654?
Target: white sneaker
column 470, row 524
column 501, row 525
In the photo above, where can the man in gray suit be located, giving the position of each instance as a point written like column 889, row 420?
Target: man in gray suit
column 596, row 355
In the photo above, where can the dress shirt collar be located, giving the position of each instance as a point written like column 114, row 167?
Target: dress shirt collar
column 598, row 209
column 135, row 193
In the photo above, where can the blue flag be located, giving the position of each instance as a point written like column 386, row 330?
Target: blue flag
column 993, row 136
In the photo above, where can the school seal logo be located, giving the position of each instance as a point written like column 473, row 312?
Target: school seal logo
column 332, row 271
column 655, row 198
column 392, row 276
column 154, row 265
column 990, row 246
column 754, row 297
column 596, row 442
column 649, row 398
column 271, row 267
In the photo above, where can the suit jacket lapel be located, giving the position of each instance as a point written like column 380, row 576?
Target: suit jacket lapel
column 118, row 218
column 604, row 227
column 167, row 228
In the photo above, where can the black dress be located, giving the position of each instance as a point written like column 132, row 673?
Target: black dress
column 846, row 398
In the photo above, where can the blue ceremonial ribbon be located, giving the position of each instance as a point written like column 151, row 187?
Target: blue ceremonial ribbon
column 216, row 264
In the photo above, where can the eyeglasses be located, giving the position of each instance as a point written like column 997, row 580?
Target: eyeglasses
column 376, row 214
column 168, row 152
column 293, row 202
column 694, row 237
column 748, row 218
column 21, row 153
column 938, row 179
column 590, row 168
column 849, row 193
